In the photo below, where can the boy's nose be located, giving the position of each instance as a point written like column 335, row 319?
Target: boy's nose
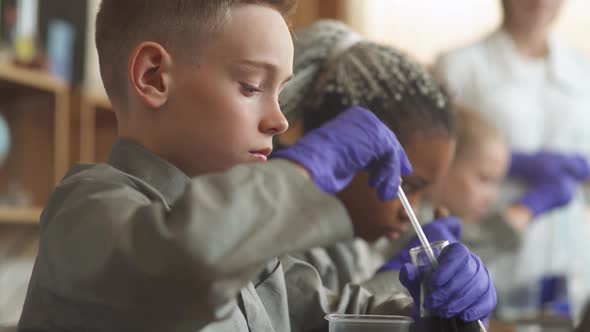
column 274, row 122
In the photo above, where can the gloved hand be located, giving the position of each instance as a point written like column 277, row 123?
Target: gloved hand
column 354, row 141
column 549, row 194
column 448, row 228
column 579, row 168
column 536, row 167
column 461, row 286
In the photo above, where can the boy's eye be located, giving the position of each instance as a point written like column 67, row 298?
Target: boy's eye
column 249, row 90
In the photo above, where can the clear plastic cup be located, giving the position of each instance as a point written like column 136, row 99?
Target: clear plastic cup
column 369, row 323
column 422, row 263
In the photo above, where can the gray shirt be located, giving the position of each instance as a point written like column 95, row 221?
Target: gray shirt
column 135, row 245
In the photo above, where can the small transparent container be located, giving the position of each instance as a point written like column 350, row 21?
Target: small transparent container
column 369, row 323
column 422, row 263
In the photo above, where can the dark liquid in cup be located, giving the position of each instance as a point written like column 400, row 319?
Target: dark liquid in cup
column 437, row 324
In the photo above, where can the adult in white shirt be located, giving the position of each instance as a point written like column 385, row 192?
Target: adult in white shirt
column 537, row 92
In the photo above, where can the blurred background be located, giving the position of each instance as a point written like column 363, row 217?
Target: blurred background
column 54, row 111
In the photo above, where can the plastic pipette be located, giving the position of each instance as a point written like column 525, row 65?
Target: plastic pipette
column 417, row 228
column 422, row 237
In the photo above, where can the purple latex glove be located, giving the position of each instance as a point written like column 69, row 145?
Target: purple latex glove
column 534, row 168
column 462, row 286
column 579, row 168
column 448, row 228
column 554, row 295
column 549, row 194
column 354, row 141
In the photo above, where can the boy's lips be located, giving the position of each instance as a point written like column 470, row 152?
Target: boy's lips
column 261, row 155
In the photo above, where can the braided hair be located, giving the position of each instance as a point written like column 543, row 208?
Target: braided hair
column 335, row 68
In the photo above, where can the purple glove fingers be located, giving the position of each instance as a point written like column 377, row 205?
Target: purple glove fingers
column 481, row 312
column 410, row 278
column 455, row 260
column 579, row 168
column 462, row 285
column 460, row 299
column 549, row 195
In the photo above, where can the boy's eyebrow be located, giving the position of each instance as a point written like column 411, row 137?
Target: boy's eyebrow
column 264, row 65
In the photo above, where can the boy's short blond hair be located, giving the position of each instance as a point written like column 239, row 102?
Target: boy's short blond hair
column 473, row 131
column 175, row 24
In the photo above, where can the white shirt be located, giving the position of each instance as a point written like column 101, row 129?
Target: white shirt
column 537, row 104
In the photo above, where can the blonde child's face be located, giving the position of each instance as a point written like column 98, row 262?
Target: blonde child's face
column 224, row 109
column 471, row 184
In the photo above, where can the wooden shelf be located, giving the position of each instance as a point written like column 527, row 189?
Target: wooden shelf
column 32, row 78
column 36, row 106
column 60, row 105
column 24, row 216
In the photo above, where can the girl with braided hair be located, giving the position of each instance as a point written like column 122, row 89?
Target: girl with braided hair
column 336, row 69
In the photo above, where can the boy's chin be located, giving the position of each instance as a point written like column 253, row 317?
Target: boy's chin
column 257, row 158
column 241, row 161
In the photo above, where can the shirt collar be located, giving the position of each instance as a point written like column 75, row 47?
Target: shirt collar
column 137, row 161
column 560, row 65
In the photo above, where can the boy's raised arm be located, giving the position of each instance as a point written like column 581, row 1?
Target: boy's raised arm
column 216, row 238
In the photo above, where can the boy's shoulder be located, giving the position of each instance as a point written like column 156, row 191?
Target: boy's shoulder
column 96, row 189
column 93, row 177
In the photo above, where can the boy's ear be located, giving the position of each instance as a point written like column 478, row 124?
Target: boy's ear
column 150, row 74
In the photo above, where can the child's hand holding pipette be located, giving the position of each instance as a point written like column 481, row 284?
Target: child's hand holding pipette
column 462, row 286
column 459, row 284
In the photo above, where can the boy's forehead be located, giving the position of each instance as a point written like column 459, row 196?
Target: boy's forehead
column 254, row 32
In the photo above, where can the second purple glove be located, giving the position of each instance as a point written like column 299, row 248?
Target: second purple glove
column 462, row 286
column 536, row 167
column 549, row 194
